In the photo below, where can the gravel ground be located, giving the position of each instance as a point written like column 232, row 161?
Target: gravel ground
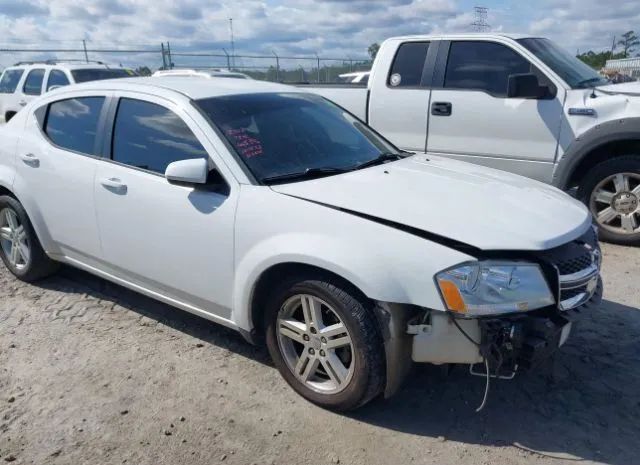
column 93, row 373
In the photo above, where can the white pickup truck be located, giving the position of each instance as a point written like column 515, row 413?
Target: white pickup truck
column 512, row 102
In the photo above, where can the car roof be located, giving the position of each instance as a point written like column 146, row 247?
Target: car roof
column 188, row 86
column 464, row 35
column 64, row 65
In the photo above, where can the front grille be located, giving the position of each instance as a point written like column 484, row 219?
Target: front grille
column 577, row 265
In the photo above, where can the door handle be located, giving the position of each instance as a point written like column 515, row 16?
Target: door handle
column 22, row 103
column 441, row 108
column 114, row 184
column 30, row 159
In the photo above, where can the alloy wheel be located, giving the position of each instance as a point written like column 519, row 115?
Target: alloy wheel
column 615, row 203
column 315, row 344
column 13, row 239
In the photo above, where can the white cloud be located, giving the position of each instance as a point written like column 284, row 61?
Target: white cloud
column 291, row 27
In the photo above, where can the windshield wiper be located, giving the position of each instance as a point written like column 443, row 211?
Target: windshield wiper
column 379, row 160
column 585, row 82
column 309, row 173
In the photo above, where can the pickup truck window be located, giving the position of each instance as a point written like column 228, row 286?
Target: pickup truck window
column 277, row 134
column 33, row 83
column 574, row 72
column 408, row 64
column 72, row 124
column 150, row 137
column 485, row 66
column 10, row 80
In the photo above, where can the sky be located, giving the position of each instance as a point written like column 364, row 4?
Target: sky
column 329, row 28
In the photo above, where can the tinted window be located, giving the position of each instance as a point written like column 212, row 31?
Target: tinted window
column 278, row 134
column 150, row 137
column 57, row 78
column 483, row 66
column 408, row 64
column 10, row 80
column 85, row 75
column 72, row 124
column 33, row 83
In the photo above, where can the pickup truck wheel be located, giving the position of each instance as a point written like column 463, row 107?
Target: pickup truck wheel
column 611, row 190
column 20, row 248
column 325, row 343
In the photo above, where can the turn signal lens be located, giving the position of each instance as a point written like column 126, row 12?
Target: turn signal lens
column 452, row 296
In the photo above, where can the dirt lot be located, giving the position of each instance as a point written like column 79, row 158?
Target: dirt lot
column 92, row 373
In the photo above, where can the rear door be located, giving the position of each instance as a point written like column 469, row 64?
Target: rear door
column 473, row 120
column 55, row 175
column 399, row 101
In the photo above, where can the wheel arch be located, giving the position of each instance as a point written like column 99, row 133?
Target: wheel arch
column 601, row 143
column 277, row 272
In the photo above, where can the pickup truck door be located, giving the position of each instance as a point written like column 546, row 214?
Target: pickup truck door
column 399, row 101
column 473, row 120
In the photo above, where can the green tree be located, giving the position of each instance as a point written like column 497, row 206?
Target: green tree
column 597, row 60
column 373, row 50
column 628, row 43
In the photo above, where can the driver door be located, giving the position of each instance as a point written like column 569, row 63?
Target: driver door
column 175, row 240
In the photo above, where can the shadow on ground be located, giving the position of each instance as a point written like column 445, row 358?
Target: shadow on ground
column 583, row 405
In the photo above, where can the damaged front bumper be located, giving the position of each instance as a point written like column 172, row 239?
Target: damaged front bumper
column 507, row 343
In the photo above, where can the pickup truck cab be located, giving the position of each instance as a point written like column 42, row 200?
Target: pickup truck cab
column 512, row 102
column 22, row 82
column 276, row 213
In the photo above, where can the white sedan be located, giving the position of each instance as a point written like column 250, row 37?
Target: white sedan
column 276, row 213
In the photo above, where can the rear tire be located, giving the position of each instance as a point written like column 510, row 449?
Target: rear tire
column 324, row 340
column 611, row 191
column 20, row 249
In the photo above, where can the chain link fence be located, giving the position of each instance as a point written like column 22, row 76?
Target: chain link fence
column 273, row 67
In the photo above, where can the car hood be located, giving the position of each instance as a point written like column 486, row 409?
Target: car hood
column 625, row 87
column 482, row 207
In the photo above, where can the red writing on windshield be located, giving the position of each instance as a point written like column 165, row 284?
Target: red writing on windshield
column 244, row 143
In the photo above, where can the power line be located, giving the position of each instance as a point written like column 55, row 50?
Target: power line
column 480, row 24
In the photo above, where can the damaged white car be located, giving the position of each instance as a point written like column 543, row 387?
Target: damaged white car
column 276, row 213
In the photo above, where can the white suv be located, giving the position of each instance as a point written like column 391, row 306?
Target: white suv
column 21, row 83
column 276, row 213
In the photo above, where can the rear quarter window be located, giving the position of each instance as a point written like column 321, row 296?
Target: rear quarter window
column 9, row 81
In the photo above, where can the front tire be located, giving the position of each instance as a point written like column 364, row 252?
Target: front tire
column 324, row 340
column 611, row 190
column 20, row 248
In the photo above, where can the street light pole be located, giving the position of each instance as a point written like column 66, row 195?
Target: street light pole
column 233, row 48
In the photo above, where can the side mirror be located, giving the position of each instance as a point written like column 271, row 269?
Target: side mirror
column 524, row 86
column 193, row 171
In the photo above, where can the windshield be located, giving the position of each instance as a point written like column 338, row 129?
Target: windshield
column 280, row 134
column 85, row 75
column 577, row 74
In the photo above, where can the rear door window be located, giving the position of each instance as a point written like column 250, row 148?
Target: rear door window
column 150, row 137
column 33, row 83
column 408, row 65
column 72, row 124
column 10, row 80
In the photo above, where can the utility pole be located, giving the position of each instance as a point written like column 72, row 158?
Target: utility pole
column 84, row 46
column 613, row 46
column 480, row 24
column 233, row 47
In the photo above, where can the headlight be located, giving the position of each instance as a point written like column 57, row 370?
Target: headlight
column 490, row 288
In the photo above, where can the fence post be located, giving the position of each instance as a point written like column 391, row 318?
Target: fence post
column 84, row 46
column 318, row 63
column 228, row 60
column 277, row 66
column 164, row 60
